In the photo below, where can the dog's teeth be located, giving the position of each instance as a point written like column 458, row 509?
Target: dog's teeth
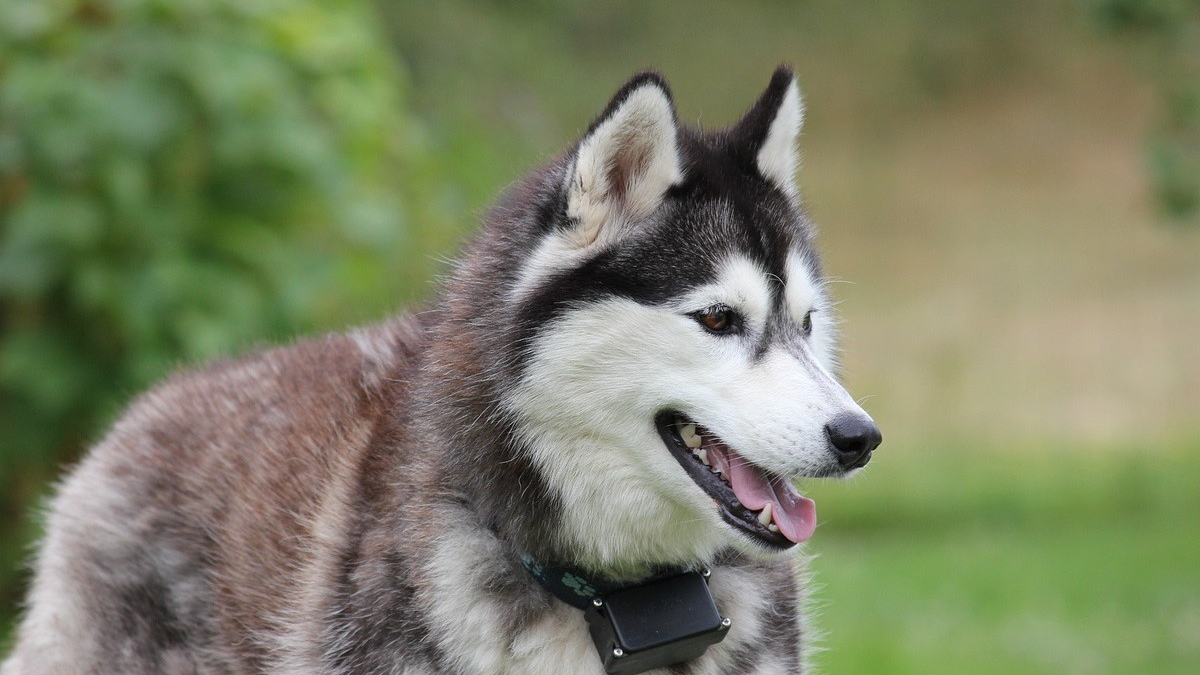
column 690, row 438
column 773, row 527
column 764, row 516
column 702, row 453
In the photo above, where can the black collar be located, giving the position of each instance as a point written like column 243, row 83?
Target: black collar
column 581, row 590
column 664, row 619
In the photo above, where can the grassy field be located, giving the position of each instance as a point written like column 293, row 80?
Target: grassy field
column 985, row 562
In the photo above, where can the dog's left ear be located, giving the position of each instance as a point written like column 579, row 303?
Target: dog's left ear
column 771, row 128
column 625, row 162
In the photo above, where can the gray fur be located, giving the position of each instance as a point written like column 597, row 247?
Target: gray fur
column 355, row 504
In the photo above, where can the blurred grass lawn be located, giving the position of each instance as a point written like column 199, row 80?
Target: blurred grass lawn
column 1011, row 562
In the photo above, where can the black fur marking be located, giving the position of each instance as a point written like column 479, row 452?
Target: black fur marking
column 767, row 338
column 644, row 78
column 369, row 628
column 782, row 628
column 748, row 136
column 659, row 260
column 526, row 512
column 746, row 659
column 371, row 624
column 552, row 213
column 679, row 248
column 146, row 617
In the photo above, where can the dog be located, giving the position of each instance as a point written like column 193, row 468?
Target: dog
column 622, row 374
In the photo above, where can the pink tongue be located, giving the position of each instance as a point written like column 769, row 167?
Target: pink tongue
column 795, row 515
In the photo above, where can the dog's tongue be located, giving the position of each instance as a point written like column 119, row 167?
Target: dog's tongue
column 794, row 514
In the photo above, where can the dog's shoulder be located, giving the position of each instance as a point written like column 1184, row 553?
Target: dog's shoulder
column 222, row 477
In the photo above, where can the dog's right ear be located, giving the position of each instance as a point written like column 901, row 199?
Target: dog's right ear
column 625, row 162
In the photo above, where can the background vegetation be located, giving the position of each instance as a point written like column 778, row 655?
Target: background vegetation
column 1011, row 190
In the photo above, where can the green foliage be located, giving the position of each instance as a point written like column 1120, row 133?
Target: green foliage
column 172, row 175
column 179, row 179
column 1160, row 16
column 1172, row 30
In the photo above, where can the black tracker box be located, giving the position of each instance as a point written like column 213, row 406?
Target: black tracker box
column 656, row 624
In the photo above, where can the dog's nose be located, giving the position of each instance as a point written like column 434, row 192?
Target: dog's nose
column 853, row 438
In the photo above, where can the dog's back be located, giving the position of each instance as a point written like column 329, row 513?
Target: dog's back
column 192, row 523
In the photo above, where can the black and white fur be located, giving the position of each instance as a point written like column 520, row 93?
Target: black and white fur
column 356, row 504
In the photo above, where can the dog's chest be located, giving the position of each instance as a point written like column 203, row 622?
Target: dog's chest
column 482, row 631
column 562, row 638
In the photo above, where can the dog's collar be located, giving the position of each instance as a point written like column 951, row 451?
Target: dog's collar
column 581, row 590
column 664, row 619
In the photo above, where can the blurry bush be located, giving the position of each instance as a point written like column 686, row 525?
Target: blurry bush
column 1171, row 29
column 178, row 179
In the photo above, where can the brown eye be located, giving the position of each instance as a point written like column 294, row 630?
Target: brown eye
column 718, row 319
column 806, row 323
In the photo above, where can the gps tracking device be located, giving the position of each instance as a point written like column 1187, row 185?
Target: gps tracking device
column 662, row 622
column 666, row 619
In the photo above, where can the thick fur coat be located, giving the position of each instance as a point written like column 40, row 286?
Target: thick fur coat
column 358, row 504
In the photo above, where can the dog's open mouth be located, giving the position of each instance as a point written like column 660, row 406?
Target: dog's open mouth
column 766, row 507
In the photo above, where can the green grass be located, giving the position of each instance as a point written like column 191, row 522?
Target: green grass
column 982, row 563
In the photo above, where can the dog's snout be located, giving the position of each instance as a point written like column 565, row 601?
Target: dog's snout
column 853, row 438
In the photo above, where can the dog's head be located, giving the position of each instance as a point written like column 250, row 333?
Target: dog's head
column 677, row 345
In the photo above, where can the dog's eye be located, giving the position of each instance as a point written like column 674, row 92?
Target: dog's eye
column 806, row 322
column 719, row 319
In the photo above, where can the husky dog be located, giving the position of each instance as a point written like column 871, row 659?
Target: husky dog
column 624, row 372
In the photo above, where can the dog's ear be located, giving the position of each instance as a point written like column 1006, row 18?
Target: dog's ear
column 625, row 162
column 770, row 129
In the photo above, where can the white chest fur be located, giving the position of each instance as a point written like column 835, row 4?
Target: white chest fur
column 468, row 623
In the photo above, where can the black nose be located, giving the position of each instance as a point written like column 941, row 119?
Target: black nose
column 853, row 438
